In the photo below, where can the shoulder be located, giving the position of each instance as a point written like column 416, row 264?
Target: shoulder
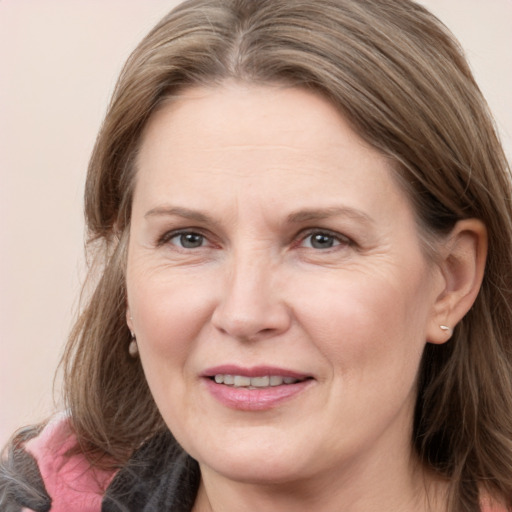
column 42, row 466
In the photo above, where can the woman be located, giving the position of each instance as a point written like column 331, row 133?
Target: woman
column 305, row 221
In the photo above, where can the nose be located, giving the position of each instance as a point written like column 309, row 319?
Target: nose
column 252, row 305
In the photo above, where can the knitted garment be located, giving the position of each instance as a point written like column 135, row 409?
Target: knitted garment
column 69, row 481
column 41, row 476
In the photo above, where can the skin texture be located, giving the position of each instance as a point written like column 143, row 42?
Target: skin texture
column 256, row 173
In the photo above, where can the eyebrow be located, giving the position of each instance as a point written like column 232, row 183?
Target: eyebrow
column 304, row 215
column 179, row 212
column 308, row 215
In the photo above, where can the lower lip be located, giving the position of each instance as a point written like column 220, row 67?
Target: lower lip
column 256, row 399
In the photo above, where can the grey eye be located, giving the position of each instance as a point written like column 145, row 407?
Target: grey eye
column 189, row 240
column 325, row 239
column 320, row 241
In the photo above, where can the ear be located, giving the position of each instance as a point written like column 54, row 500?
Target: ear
column 462, row 258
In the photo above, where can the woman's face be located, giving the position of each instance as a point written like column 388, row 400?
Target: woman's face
column 277, row 286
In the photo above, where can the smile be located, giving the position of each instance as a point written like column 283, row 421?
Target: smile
column 265, row 381
column 256, row 388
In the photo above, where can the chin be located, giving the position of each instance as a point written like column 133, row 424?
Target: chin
column 256, row 461
column 258, row 473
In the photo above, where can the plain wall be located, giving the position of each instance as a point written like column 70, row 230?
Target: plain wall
column 58, row 63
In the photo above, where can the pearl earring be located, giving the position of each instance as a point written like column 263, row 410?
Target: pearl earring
column 446, row 329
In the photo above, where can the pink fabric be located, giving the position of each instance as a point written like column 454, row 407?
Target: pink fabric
column 70, row 481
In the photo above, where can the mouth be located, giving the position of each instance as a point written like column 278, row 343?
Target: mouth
column 256, row 388
column 256, row 382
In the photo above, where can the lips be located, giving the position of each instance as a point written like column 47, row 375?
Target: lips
column 264, row 381
column 256, row 388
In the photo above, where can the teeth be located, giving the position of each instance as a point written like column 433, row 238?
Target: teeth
column 275, row 380
column 260, row 382
column 241, row 381
column 264, row 381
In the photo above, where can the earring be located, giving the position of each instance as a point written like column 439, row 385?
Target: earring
column 133, row 349
column 446, row 329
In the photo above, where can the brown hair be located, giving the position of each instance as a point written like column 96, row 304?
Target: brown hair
column 397, row 74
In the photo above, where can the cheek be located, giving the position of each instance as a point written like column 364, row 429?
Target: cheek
column 168, row 316
column 168, row 313
column 368, row 321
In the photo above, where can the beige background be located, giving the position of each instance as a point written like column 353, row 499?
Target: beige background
column 58, row 64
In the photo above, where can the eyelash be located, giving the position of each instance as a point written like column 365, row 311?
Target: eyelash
column 337, row 238
column 170, row 235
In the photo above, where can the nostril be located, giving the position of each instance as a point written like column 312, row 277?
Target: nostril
column 251, row 311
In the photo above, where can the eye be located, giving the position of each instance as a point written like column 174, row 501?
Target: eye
column 324, row 240
column 187, row 240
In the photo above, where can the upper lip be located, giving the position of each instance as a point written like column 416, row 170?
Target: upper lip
column 253, row 371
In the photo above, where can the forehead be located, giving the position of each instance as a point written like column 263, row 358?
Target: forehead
column 261, row 142
column 252, row 109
